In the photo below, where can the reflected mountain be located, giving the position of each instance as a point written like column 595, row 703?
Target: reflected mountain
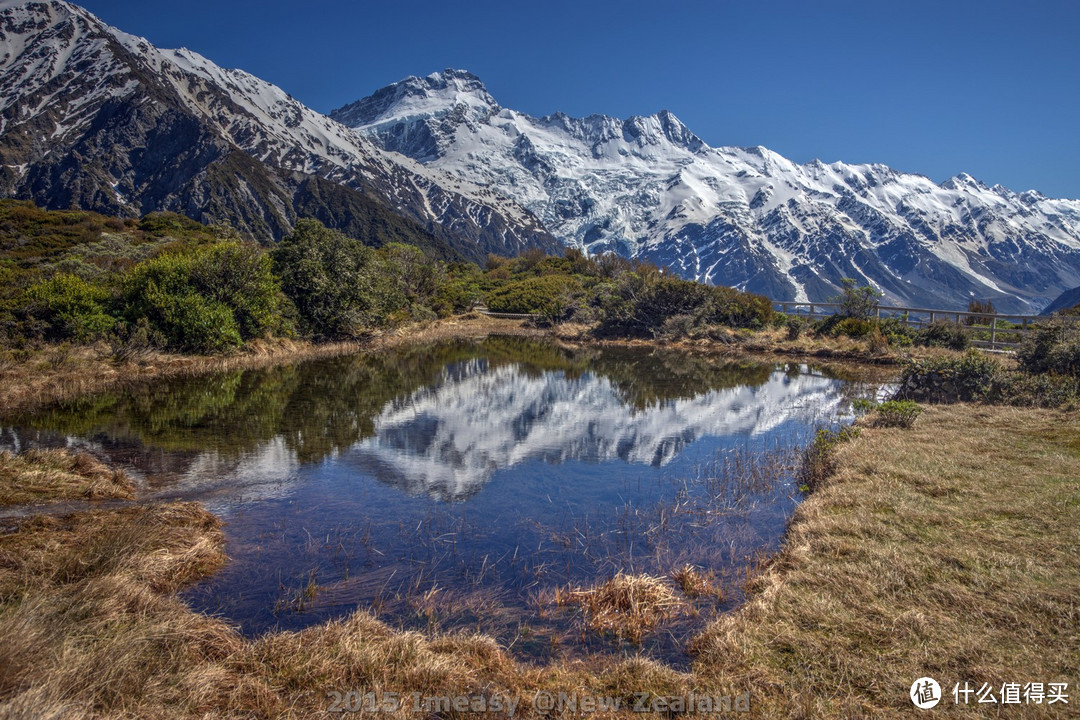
column 448, row 439
column 436, row 420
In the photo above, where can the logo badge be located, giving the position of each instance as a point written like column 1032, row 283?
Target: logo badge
column 925, row 693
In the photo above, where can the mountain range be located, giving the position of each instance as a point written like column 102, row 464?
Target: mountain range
column 95, row 118
column 747, row 217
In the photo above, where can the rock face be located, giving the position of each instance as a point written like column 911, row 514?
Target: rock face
column 1064, row 301
column 649, row 187
column 95, row 118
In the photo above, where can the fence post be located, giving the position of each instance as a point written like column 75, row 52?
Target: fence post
column 993, row 333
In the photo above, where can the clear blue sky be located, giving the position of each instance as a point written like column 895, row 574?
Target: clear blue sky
column 990, row 88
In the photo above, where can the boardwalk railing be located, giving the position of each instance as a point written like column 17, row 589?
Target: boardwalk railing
column 989, row 330
column 482, row 309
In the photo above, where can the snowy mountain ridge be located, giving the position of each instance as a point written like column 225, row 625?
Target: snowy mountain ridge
column 71, row 85
column 748, row 217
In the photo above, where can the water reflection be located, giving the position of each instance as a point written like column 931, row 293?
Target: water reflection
column 447, row 439
column 457, row 484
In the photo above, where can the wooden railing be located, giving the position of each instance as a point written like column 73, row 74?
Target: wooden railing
column 990, row 330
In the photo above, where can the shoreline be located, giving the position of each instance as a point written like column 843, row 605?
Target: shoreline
column 57, row 374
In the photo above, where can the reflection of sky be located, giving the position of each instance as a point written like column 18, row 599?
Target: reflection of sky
column 447, row 440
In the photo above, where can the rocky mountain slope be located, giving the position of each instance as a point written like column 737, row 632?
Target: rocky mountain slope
column 649, row 187
column 95, row 118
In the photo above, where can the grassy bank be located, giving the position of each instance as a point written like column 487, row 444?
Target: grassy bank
column 948, row 550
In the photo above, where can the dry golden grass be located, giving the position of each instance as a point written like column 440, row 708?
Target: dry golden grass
column 627, row 606
column 90, row 627
column 44, row 475
column 948, row 549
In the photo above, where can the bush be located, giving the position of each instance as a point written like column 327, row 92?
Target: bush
column 205, row 299
column 795, row 327
column 945, row 334
column 1027, row 390
column 733, row 308
column 896, row 413
column 948, row 379
column 639, row 303
column 66, row 307
column 551, row 296
column 1052, row 347
column 334, row 281
column 896, row 332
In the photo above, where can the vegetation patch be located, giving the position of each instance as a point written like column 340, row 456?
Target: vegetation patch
column 44, row 475
column 627, row 606
column 896, row 413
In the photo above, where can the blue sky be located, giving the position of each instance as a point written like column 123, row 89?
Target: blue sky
column 990, row 88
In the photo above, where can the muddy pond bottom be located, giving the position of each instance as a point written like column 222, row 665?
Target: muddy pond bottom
column 481, row 486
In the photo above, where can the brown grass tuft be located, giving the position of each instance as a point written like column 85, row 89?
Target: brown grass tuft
column 44, row 475
column 696, row 584
column 628, row 606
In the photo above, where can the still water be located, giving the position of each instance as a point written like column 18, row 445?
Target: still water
column 459, row 485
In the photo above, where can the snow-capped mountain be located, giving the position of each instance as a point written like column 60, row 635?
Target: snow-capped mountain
column 649, row 187
column 95, row 118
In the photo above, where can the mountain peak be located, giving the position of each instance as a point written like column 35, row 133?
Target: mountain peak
column 433, row 96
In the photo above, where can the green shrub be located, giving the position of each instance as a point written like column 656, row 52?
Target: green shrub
column 737, row 309
column 856, row 301
column 854, row 327
column 943, row 334
column 1052, row 347
column 947, row 380
column 1047, row 390
column 459, row 291
column 861, row 406
column 334, row 281
column 896, row 413
column 551, row 296
column 795, row 327
column 639, row 303
column 207, row 298
column 66, row 307
column 896, row 332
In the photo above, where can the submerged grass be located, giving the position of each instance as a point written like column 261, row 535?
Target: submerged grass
column 44, row 475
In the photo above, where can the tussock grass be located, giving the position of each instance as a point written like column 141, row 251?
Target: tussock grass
column 947, row 549
column 43, row 475
column 628, row 606
column 696, row 583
